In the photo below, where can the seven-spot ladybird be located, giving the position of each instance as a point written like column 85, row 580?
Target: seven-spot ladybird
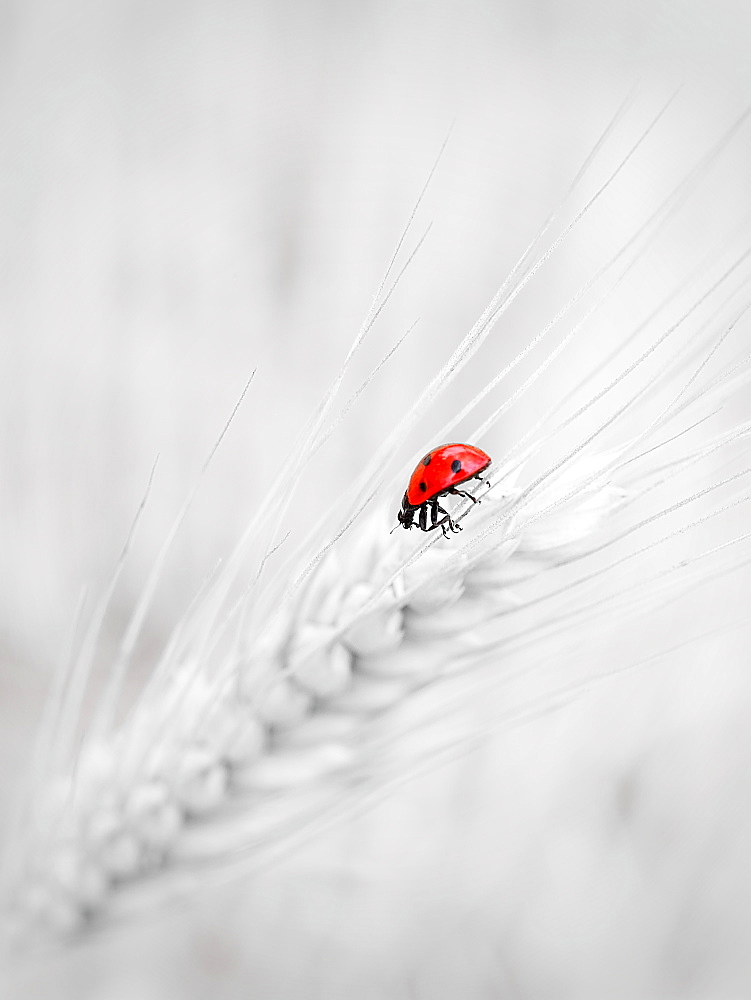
column 438, row 474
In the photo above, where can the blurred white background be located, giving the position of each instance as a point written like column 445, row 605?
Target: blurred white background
column 190, row 191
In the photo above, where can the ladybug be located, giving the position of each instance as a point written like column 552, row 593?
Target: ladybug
column 438, row 474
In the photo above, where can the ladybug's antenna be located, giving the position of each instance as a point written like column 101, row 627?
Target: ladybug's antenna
column 394, row 529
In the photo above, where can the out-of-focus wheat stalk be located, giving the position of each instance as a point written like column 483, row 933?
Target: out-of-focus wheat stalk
column 272, row 709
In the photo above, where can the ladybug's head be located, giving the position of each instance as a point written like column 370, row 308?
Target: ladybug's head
column 406, row 515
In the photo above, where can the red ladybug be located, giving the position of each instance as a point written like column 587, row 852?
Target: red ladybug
column 438, row 474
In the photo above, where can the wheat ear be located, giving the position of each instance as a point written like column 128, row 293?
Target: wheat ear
column 262, row 710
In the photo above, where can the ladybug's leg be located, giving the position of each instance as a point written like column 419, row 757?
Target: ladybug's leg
column 434, row 522
column 452, row 524
column 445, row 520
column 463, row 493
column 442, row 523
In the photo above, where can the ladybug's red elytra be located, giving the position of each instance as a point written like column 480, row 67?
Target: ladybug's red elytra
column 438, row 474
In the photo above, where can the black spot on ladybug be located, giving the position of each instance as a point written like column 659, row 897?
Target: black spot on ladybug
column 424, row 487
column 426, row 460
column 456, row 465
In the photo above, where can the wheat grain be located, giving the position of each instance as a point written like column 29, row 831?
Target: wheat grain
column 288, row 714
column 292, row 711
